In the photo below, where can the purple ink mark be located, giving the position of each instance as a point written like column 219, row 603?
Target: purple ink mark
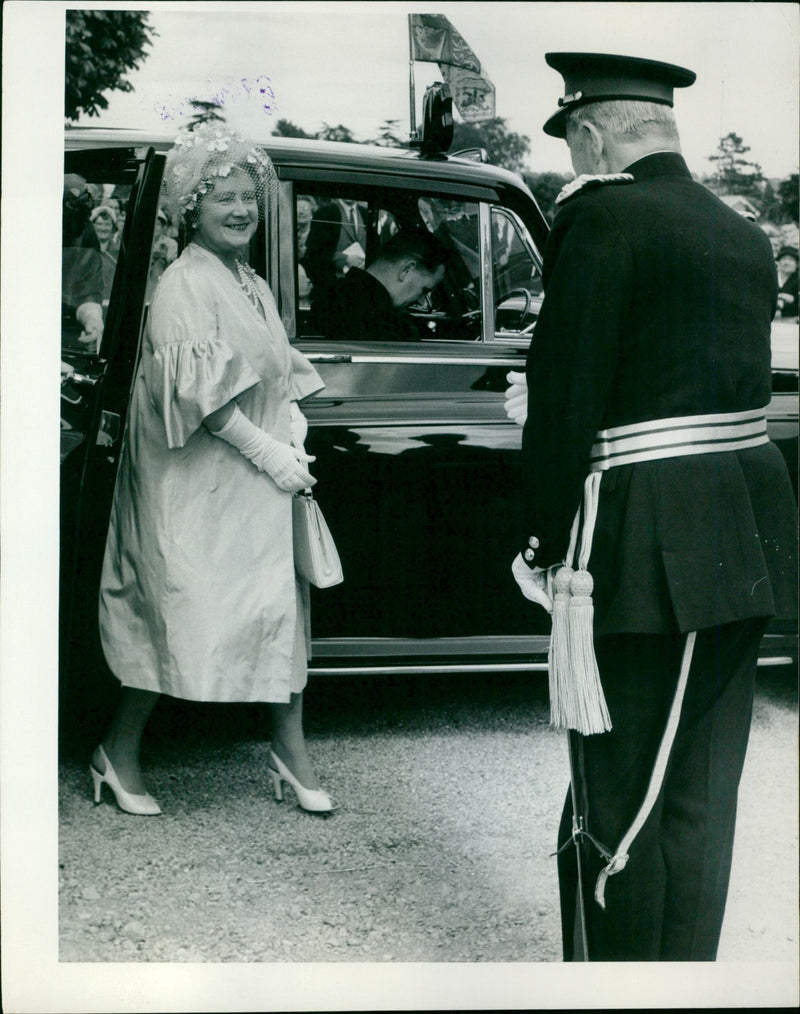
column 229, row 93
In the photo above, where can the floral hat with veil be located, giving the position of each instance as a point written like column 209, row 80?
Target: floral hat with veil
column 207, row 153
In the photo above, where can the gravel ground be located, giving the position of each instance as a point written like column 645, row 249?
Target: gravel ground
column 448, row 801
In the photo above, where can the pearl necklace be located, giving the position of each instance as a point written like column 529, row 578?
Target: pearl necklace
column 247, row 282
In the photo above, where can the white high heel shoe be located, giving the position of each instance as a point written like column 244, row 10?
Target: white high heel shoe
column 313, row 800
column 144, row 806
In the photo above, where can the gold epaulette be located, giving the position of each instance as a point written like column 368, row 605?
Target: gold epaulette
column 581, row 182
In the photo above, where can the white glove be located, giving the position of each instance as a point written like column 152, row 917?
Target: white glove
column 532, row 582
column 284, row 464
column 298, row 426
column 517, row 398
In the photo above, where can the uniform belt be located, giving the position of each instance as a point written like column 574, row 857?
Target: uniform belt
column 682, row 435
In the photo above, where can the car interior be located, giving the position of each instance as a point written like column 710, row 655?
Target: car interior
column 453, row 311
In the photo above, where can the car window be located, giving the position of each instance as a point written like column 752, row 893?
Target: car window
column 455, row 311
column 93, row 216
column 339, row 229
column 516, row 277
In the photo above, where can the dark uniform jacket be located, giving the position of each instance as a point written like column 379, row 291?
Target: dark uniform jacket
column 362, row 310
column 658, row 303
column 329, row 235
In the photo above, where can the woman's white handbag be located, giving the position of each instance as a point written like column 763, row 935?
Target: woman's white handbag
column 315, row 555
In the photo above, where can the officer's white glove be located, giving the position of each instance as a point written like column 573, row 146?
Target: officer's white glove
column 517, row 397
column 284, row 464
column 532, row 582
column 298, row 426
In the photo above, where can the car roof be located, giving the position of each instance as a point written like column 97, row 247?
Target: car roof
column 302, row 152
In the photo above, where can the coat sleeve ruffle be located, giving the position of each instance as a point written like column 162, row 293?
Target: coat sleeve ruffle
column 305, row 379
column 189, row 380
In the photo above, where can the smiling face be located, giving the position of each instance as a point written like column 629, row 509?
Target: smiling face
column 228, row 216
column 103, row 226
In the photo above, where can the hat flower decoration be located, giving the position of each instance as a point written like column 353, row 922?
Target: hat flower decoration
column 206, row 153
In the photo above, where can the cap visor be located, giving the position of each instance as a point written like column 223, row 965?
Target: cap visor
column 556, row 126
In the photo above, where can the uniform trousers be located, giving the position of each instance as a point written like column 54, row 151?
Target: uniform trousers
column 668, row 902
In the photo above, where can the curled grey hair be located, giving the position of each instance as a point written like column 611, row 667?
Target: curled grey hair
column 627, row 120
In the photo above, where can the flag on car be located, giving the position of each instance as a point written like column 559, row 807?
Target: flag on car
column 435, row 40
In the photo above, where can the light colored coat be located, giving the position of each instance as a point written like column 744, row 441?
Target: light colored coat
column 199, row 597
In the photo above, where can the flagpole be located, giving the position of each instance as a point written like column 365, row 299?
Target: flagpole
column 411, row 94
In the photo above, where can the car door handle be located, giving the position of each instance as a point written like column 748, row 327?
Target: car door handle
column 82, row 378
column 324, row 357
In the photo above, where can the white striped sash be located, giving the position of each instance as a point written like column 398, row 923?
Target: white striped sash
column 672, row 438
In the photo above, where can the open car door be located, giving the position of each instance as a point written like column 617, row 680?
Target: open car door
column 95, row 391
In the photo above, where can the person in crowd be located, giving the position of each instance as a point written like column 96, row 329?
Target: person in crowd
column 199, row 596
column 81, row 270
column 305, row 213
column 164, row 252
column 655, row 326
column 118, row 206
column 336, row 243
column 786, row 262
column 104, row 221
column 369, row 304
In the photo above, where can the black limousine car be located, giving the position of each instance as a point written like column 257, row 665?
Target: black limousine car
column 417, row 464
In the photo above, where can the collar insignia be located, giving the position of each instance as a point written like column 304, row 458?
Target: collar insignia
column 574, row 186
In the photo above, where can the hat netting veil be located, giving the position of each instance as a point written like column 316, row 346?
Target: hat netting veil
column 206, row 154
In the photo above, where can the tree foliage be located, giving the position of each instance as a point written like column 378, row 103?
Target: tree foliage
column 285, row 128
column 545, row 188
column 337, row 133
column 789, row 196
column 101, row 47
column 503, row 146
column 205, row 112
column 388, row 136
column 735, row 174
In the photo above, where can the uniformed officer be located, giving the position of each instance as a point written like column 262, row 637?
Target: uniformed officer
column 646, row 465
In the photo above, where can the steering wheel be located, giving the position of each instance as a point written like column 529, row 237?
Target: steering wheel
column 517, row 292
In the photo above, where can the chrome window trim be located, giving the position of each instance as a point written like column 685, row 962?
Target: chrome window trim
column 521, row 341
column 417, row 670
column 490, row 646
column 522, row 229
column 487, row 279
column 433, row 360
column 284, row 251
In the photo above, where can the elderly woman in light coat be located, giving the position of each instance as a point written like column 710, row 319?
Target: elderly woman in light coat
column 199, row 596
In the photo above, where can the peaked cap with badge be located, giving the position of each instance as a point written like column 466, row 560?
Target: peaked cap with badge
column 595, row 77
